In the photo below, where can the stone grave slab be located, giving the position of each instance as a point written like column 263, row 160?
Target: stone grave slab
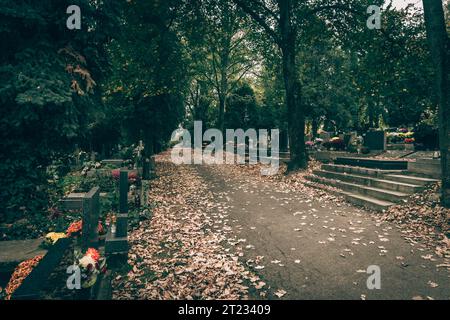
column 15, row 251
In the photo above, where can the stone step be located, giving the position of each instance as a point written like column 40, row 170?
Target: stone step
column 430, row 161
column 358, row 170
column 357, row 199
column 410, row 179
column 381, row 194
column 370, row 181
column 373, row 163
column 369, row 202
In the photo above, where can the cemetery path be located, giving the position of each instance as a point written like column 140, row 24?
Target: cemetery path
column 306, row 246
column 225, row 232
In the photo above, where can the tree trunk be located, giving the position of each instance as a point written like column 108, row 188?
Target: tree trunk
column 222, row 101
column 439, row 48
column 314, row 127
column 296, row 119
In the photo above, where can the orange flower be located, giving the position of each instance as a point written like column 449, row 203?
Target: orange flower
column 93, row 253
column 75, row 227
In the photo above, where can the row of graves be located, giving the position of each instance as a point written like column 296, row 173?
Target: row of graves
column 350, row 141
column 399, row 156
column 372, row 140
column 79, row 264
column 328, row 145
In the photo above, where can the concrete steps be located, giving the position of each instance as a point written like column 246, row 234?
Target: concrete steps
column 411, row 179
column 358, row 170
column 382, row 194
column 371, row 182
column 359, row 200
column 376, row 189
column 373, row 163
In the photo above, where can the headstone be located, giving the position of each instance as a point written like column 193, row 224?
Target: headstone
column 37, row 280
column 73, row 201
column 375, row 140
column 13, row 252
column 122, row 217
column 91, row 212
column 118, row 242
column 123, row 191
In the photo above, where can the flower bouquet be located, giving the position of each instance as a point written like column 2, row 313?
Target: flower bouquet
column 91, row 265
column 75, row 229
column 51, row 238
column 133, row 177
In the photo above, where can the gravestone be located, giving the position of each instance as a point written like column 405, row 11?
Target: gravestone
column 375, row 140
column 91, row 212
column 73, row 201
column 122, row 217
column 32, row 286
column 118, row 242
column 13, row 252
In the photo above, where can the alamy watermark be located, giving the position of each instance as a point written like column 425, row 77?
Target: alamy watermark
column 239, row 144
column 374, row 280
column 374, row 21
column 74, row 20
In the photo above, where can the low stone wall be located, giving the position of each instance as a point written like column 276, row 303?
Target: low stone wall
column 427, row 167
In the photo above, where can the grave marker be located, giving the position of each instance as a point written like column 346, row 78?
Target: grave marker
column 91, row 212
column 375, row 140
column 118, row 242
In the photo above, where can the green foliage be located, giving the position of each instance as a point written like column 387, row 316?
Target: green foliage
column 47, row 91
column 103, row 180
column 146, row 89
column 242, row 109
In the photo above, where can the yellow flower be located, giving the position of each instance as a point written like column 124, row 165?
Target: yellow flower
column 54, row 236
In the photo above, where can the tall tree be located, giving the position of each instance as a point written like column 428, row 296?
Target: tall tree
column 49, row 79
column 146, row 89
column 284, row 34
column 439, row 48
column 223, row 56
